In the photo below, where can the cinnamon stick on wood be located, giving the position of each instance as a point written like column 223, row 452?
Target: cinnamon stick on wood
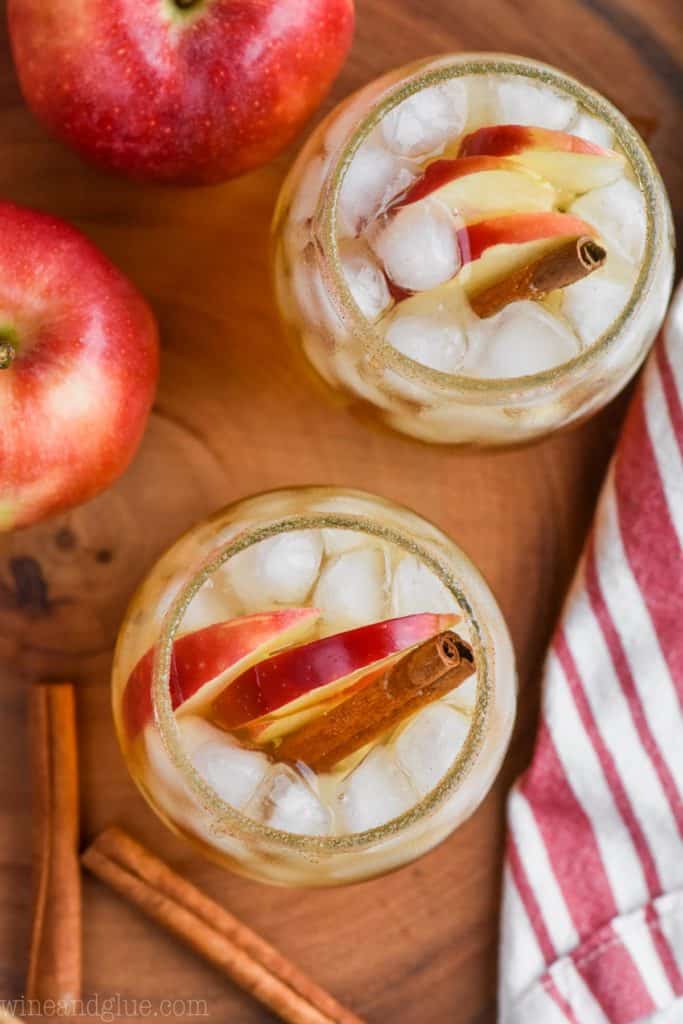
column 55, row 957
column 210, row 930
column 423, row 675
column 569, row 262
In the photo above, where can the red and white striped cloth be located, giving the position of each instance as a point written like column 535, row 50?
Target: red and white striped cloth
column 592, row 929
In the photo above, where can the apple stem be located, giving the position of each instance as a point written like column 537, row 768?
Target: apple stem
column 7, row 354
column 185, row 4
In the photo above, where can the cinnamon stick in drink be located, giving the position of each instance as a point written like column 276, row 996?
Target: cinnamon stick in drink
column 558, row 268
column 423, row 675
column 55, row 957
column 210, row 930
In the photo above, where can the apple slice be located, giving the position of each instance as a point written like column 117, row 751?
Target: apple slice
column 513, row 139
column 517, row 229
column 573, row 165
column 294, row 679
column 205, row 661
column 475, row 185
column 273, row 728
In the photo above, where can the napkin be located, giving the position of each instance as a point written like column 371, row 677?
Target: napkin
column 592, row 921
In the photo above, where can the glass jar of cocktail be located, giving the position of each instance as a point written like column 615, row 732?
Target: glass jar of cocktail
column 316, row 686
column 476, row 249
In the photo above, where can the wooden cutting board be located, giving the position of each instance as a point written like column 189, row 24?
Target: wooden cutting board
column 233, row 417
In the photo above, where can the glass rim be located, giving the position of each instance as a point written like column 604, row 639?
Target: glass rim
column 378, row 351
column 236, row 823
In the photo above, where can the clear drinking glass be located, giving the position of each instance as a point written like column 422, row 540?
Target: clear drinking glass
column 318, row 563
column 365, row 287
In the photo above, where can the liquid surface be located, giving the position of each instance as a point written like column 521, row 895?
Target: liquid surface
column 462, row 185
column 283, row 633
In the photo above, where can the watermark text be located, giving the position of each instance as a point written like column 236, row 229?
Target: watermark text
column 107, row 1008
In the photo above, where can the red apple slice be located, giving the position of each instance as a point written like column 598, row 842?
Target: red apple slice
column 204, row 661
column 476, row 185
column 292, row 680
column 271, row 728
column 570, row 163
column 513, row 139
column 518, row 228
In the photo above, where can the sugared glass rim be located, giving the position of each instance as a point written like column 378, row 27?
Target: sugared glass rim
column 381, row 353
column 226, row 818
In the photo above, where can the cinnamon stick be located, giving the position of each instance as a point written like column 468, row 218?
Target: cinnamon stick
column 428, row 672
column 568, row 263
column 55, row 957
column 210, row 930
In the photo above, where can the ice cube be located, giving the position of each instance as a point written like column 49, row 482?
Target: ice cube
column 308, row 190
column 349, row 114
column 437, row 340
column 418, row 246
column 424, row 122
column 234, row 773
column 416, row 589
column 163, row 782
column 206, row 746
column 358, row 375
column 375, row 792
column 593, row 304
column 593, row 130
column 352, row 589
column 295, row 238
column 194, row 732
column 337, row 542
column 523, row 338
column 522, row 101
column 311, row 297
column 160, row 767
column 428, row 745
column 365, row 279
column 287, row 802
column 618, row 213
column 170, row 589
column 482, row 107
column 372, row 179
column 279, row 570
column 215, row 601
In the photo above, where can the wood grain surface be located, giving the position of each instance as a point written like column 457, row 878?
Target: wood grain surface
column 233, row 417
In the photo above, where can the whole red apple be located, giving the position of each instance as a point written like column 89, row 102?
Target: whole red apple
column 79, row 358
column 185, row 91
